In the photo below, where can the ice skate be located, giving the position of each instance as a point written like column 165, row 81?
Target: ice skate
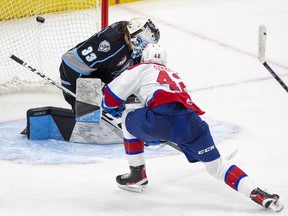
column 266, row 200
column 135, row 181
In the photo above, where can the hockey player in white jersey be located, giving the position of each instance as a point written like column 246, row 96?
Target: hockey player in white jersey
column 168, row 113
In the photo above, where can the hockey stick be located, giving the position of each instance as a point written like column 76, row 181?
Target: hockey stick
column 21, row 62
column 29, row 67
column 261, row 55
column 104, row 117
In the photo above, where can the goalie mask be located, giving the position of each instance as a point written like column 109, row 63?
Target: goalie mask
column 154, row 53
column 142, row 32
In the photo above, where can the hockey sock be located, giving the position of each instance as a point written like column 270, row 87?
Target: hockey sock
column 134, row 149
column 233, row 176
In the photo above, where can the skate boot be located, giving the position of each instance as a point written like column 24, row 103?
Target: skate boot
column 135, row 181
column 266, row 200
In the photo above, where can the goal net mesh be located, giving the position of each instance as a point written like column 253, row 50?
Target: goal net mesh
column 62, row 25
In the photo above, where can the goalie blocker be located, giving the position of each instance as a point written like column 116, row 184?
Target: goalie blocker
column 83, row 126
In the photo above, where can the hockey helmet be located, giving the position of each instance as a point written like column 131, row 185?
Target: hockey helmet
column 144, row 28
column 154, row 53
column 142, row 32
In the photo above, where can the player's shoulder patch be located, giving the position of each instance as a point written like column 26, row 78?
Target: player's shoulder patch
column 104, row 46
column 122, row 61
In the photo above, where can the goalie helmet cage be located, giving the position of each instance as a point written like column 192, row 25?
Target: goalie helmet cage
column 41, row 31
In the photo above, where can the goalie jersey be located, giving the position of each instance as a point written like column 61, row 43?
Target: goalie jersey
column 153, row 84
column 104, row 55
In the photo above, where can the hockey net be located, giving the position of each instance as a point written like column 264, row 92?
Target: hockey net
column 62, row 25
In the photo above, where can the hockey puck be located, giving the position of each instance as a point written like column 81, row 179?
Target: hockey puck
column 40, row 19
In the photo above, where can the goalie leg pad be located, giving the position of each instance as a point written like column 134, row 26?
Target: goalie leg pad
column 50, row 123
column 88, row 100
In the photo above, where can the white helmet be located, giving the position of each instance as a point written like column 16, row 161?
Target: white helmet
column 154, row 53
column 142, row 32
column 144, row 27
column 136, row 24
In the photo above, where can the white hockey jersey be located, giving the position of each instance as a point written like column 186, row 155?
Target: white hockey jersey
column 153, row 85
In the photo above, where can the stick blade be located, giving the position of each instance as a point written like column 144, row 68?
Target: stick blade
column 262, row 43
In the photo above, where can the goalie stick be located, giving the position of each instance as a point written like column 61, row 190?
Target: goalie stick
column 261, row 55
column 111, row 121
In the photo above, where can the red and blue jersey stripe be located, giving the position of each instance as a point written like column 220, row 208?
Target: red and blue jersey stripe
column 111, row 99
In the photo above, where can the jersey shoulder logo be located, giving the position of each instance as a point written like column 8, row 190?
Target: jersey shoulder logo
column 122, row 61
column 189, row 101
column 104, row 46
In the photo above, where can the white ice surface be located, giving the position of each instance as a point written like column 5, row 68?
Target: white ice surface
column 213, row 46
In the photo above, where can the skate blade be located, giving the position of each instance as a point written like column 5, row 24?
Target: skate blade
column 133, row 188
column 276, row 206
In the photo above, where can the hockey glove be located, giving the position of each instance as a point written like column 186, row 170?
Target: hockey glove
column 116, row 112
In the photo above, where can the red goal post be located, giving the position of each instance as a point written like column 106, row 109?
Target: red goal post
column 42, row 41
column 104, row 13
